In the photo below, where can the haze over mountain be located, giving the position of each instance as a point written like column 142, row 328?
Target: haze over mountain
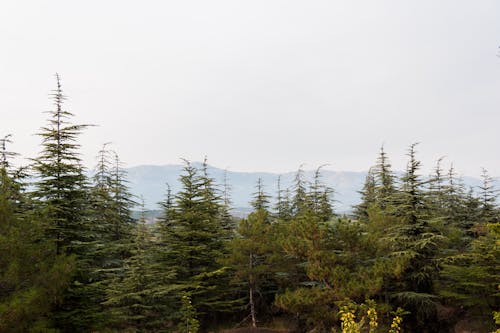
column 149, row 181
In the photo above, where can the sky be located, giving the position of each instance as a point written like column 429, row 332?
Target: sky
column 259, row 85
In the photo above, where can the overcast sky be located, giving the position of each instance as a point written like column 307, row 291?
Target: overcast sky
column 259, row 85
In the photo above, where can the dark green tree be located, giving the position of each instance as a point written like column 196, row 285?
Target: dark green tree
column 61, row 187
column 193, row 238
column 416, row 242
column 228, row 222
column 384, row 178
column 62, row 195
column 32, row 279
column 249, row 258
column 300, row 201
column 260, row 198
column 368, row 197
column 320, row 197
column 470, row 279
column 130, row 299
column 283, row 207
column 111, row 213
column 488, row 196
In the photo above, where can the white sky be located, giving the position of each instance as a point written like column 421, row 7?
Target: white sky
column 260, row 85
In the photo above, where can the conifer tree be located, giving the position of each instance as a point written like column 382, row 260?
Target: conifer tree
column 416, row 243
column 194, row 243
column 61, row 186
column 299, row 201
column 249, row 257
column 368, row 197
column 385, row 179
column 260, row 198
column 131, row 299
column 470, row 278
column 228, row 222
column 488, row 196
column 320, row 197
column 4, row 153
column 283, row 207
column 62, row 196
column 112, row 221
column 32, row 279
column 436, row 189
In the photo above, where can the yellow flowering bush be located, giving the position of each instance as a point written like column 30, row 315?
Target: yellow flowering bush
column 371, row 313
column 348, row 323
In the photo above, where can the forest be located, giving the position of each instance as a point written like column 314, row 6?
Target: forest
column 420, row 253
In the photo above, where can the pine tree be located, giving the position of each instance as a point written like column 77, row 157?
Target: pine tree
column 416, row 243
column 283, row 207
column 260, row 198
column 62, row 196
column 470, row 278
column 385, row 179
column 131, row 299
column 111, row 212
column 320, row 197
column 488, row 196
column 228, row 222
column 436, row 189
column 61, row 186
column 368, row 197
column 299, row 203
column 249, row 256
column 194, row 243
column 4, row 153
column 32, row 279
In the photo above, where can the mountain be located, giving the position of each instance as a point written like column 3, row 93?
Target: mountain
column 149, row 181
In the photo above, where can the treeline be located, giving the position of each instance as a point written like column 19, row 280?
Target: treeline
column 421, row 250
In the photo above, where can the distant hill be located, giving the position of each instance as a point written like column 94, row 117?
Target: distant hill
column 150, row 182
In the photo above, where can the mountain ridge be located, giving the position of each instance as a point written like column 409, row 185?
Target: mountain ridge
column 149, row 181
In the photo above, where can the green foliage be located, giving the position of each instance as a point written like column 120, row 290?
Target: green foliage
column 78, row 262
column 188, row 322
column 192, row 242
column 130, row 298
column 31, row 278
column 416, row 241
column 368, row 197
column 61, row 188
column 249, row 257
column 471, row 278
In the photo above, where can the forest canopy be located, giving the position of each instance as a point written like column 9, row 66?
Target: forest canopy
column 418, row 254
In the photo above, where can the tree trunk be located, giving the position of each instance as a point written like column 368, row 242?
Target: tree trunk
column 252, row 304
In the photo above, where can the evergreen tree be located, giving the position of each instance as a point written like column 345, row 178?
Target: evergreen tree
column 368, row 197
column 4, row 153
column 249, row 257
column 283, row 207
column 436, row 190
column 131, row 299
column 112, row 222
column 260, row 198
column 299, row 202
column 488, row 196
column 32, row 279
column 385, row 179
column 61, row 186
column 194, row 243
column 62, row 194
column 416, row 242
column 320, row 197
column 228, row 222
column 470, row 278
column 338, row 263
